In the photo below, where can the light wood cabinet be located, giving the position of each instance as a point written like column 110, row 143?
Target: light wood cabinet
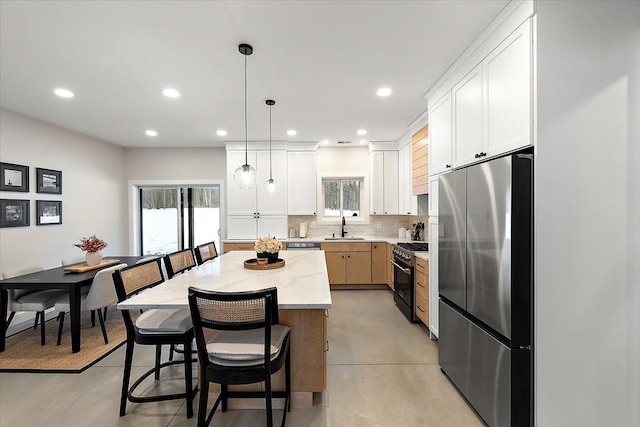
column 245, row 246
column 420, row 161
column 390, row 276
column 348, row 263
column 407, row 202
column 378, row 263
column 421, row 281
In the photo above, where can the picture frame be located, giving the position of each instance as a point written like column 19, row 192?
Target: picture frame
column 14, row 213
column 49, row 181
column 14, row 177
column 48, row 212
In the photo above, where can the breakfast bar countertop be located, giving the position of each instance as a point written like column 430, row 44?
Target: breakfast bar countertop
column 302, row 283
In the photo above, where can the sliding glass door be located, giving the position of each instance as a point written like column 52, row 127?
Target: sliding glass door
column 174, row 218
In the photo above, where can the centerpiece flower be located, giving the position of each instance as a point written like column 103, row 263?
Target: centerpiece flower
column 93, row 246
column 268, row 247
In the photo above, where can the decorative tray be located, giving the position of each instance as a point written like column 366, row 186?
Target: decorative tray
column 81, row 268
column 252, row 264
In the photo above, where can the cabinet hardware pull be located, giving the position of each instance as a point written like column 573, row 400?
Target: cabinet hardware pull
column 419, row 308
column 448, row 166
column 422, row 286
column 476, row 155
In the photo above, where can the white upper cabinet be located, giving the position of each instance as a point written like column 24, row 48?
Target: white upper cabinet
column 407, row 202
column 467, row 118
column 508, row 83
column 252, row 213
column 302, row 183
column 272, row 204
column 489, row 110
column 384, row 182
column 440, row 136
column 433, row 195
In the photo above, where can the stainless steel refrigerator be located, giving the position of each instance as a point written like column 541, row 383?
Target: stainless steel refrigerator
column 485, row 267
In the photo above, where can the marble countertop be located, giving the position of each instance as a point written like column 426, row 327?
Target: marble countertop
column 422, row 255
column 302, row 283
column 321, row 239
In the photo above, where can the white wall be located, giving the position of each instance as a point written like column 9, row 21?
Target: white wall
column 93, row 192
column 587, row 214
column 176, row 163
column 343, row 159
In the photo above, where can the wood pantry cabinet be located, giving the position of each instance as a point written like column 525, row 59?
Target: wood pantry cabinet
column 378, row 263
column 421, row 300
column 420, row 161
column 348, row 263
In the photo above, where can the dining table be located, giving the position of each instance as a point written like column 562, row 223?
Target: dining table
column 55, row 278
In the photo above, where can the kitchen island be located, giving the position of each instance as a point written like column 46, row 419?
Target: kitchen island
column 303, row 300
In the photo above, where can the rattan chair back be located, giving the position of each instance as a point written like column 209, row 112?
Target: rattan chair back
column 137, row 277
column 206, row 252
column 179, row 262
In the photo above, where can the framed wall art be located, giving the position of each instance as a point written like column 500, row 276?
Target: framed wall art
column 48, row 212
column 14, row 213
column 49, row 181
column 14, row 177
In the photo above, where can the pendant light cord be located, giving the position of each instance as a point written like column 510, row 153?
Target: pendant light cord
column 246, row 129
column 270, row 165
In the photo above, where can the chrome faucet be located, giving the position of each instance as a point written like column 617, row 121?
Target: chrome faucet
column 343, row 224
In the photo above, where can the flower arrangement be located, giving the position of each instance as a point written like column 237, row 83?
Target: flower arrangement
column 268, row 244
column 91, row 244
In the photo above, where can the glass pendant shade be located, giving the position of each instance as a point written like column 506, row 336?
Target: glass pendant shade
column 245, row 177
column 271, row 187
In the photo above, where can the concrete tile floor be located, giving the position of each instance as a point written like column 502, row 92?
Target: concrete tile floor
column 382, row 371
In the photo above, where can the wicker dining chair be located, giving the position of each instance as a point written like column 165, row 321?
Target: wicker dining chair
column 152, row 327
column 179, row 262
column 249, row 345
column 206, row 252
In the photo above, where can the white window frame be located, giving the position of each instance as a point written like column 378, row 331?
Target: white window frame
column 364, row 197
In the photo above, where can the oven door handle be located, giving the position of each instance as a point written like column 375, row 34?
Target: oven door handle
column 404, row 269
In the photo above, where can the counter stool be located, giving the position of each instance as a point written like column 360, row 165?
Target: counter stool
column 153, row 327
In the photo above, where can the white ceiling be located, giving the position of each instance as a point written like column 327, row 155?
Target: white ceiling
column 321, row 61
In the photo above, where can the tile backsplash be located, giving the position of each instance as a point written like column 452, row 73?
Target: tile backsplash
column 389, row 225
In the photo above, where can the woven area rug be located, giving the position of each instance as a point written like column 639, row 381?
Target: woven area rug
column 23, row 352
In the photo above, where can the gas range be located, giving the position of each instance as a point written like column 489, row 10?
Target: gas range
column 405, row 251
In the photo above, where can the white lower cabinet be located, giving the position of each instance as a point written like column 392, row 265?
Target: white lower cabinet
column 250, row 227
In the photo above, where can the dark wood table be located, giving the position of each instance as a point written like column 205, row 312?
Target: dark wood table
column 55, row 278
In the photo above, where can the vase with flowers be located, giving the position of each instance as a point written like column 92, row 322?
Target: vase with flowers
column 93, row 246
column 268, row 247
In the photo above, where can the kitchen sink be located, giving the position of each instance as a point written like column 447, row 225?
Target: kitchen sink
column 344, row 238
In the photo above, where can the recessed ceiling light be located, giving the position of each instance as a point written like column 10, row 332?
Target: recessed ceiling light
column 221, row 132
column 363, row 141
column 383, row 91
column 151, row 132
column 63, row 93
column 171, row 93
column 325, row 141
column 291, row 132
column 362, row 132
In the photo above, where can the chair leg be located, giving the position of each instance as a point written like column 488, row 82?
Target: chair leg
column 287, row 387
column 102, row 326
column 60, row 323
column 105, row 313
column 93, row 318
column 128, row 359
column 158, row 357
column 267, row 395
column 223, row 397
column 13, row 313
column 204, row 397
column 42, row 337
column 35, row 322
column 171, row 352
column 188, row 383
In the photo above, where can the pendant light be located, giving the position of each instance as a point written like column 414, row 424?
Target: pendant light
column 271, row 186
column 245, row 175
